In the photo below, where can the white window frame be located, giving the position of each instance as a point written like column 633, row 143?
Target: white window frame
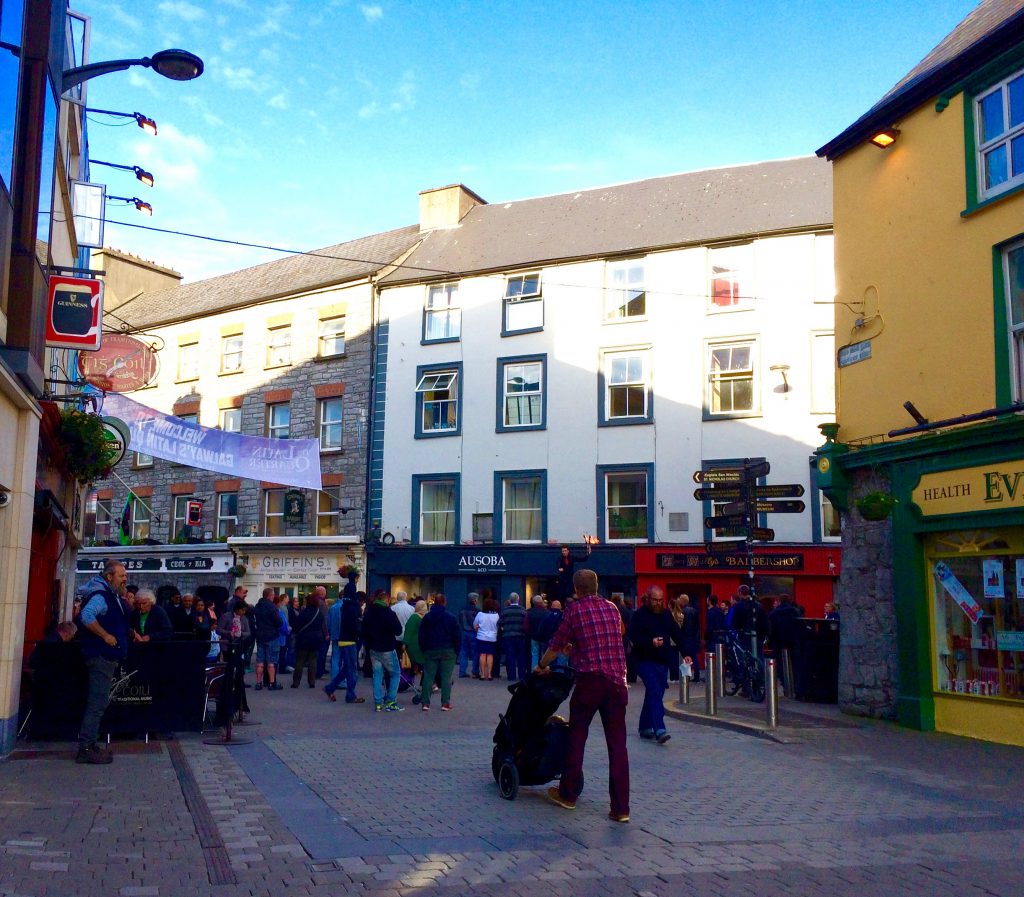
column 277, row 516
column 1004, row 140
column 508, row 481
column 141, row 519
column 442, row 301
column 274, row 429
column 279, row 346
column 434, row 383
column 1015, row 330
column 617, row 284
column 328, row 425
column 450, row 512
column 188, row 362
column 823, row 502
column 228, row 414
column 733, row 375
column 223, row 530
column 102, row 510
column 732, row 265
column 142, row 460
column 331, row 336
column 522, row 301
column 611, row 386
column 179, row 514
column 231, row 348
column 622, row 474
column 328, row 504
column 524, row 397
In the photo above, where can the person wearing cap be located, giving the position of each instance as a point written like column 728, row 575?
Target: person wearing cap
column 467, row 650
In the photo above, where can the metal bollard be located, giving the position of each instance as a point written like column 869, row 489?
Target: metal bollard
column 771, row 692
column 719, row 679
column 684, row 689
column 787, row 673
column 710, row 693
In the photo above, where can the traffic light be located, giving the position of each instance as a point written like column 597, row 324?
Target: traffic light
column 194, row 513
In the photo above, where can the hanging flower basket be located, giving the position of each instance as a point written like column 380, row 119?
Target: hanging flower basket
column 238, row 571
column 876, row 505
column 348, row 571
column 86, row 450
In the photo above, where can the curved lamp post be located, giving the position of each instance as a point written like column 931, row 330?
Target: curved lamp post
column 178, row 65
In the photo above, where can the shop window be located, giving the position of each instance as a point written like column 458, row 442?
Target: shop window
column 524, row 304
column 730, row 278
column 1013, row 274
column 328, row 511
column 625, row 296
column 227, row 514
column 976, row 584
column 436, row 509
column 273, row 512
column 442, row 316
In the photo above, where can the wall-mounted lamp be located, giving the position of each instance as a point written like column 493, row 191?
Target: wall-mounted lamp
column 139, row 204
column 782, row 369
column 144, row 121
column 919, row 418
column 885, row 138
column 140, row 173
column 178, row 65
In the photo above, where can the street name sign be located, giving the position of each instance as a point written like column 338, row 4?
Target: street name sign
column 728, row 520
column 762, row 534
column 733, row 546
column 750, row 470
column 764, row 507
column 737, row 492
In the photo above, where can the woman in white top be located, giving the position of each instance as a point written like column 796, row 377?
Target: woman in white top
column 486, row 625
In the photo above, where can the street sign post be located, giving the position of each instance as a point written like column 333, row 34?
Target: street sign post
column 762, row 534
column 728, row 520
column 732, row 546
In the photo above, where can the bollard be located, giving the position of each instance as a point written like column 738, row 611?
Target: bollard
column 771, row 691
column 719, row 679
column 685, row 671
column 787, row 673
column 710, row 692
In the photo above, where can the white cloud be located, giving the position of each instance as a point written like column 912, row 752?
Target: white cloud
column 371, row 13
column 402, row 96
column 227, row 44
column 137, row 79
column 182, row 9
column 244, row 78
column 278, row 101
column 129, row 21
column 272, row 21
column 194, row 102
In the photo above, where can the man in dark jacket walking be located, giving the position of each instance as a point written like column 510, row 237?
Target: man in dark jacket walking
column 349, row 630
column 104, row 633
column 268, row 639
column 513, row 638
column 467, row 650
column 381, row 630
column 310, row 633
column 439, row 638
column 651, row 631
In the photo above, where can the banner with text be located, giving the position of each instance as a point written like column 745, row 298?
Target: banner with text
column 291, row 462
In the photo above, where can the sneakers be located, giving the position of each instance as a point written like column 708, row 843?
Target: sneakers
column 619, row 817
column 393, row 707
column 93, row 754
column 330, row 695
column 647, row 734
column 377, row 708
column 662, row 737
column 446, row 706
column 425, row 708
column 355, row 700
column 275, row 686
column 555, row 796
column 259, row 686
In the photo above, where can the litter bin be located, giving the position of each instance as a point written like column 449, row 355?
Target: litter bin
column 816, row 661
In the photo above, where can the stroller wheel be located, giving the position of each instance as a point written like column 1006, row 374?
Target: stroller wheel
column 495, row 763
column 508, row 780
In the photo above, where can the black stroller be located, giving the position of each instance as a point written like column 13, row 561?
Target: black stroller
column 530, row 743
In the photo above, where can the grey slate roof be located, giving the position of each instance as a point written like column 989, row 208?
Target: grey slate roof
column 697, row 207
column 331, row 265
column 989, row 29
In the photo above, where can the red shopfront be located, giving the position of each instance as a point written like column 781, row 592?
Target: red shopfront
column 807, row 572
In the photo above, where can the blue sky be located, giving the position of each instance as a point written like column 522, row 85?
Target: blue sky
column 319, row 121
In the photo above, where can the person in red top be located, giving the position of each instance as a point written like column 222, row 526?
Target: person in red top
column 591, row 629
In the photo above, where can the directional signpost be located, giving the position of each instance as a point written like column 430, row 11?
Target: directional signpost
column 741, row 499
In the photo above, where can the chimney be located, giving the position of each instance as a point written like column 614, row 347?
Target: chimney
column 446, row 206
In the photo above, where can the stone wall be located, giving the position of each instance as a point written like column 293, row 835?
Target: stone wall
column 868, row 670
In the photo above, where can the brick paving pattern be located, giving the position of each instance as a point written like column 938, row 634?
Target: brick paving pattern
column 333, row 800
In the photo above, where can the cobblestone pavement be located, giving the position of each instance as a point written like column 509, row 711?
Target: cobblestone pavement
column 334, row 799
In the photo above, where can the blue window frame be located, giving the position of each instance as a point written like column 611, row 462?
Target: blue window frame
column 625, row 395
column 439, row 400
column 442, row 314
column 625, row 502
column 521, row 506
column 522, row 393
column 436, row 508
column 523, row 305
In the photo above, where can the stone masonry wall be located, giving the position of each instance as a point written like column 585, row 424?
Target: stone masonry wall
column 868, row 670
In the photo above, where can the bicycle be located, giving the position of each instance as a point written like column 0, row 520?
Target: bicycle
column 743, row 670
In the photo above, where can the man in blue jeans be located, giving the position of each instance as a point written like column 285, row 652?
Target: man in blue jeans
column 381, row 631
column 349, row 623
column 467, row 651
column 652, row 632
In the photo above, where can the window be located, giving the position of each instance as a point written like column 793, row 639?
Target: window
column 191, row 418
column 520, row 497
column 436, row 509
column 227, row 514
column 999, row 123
column 823, row 373
column 625, row 294
column 1013, row 273
column 180, row 518
column 279, row 420
column 273, row 512
column 438, row 392
column 626, row 387
column 329, row 416
column 231, row 354
column 524, row 304
column 98, row 518
column 231, row 420
column 730, row 277
column 624, row 502
column 188, row 361
column 831, row 531
column 521, row 393
column 731, row 379
column 332, row 337
column 140, row 519
column 442, row 317
column 279, row 346
column 328, row 510
column 142, row 460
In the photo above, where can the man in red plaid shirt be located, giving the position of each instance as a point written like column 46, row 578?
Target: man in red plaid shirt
column 592, row 629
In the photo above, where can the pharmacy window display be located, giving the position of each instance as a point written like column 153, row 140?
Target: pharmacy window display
column 976, row 583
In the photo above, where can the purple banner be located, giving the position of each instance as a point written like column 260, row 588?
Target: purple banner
column 291, row 462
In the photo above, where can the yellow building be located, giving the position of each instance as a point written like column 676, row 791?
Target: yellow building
column 928, row 457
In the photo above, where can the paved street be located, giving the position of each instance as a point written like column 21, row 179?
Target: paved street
column 332, row 799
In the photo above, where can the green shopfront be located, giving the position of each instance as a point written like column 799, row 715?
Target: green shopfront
column 932, row 590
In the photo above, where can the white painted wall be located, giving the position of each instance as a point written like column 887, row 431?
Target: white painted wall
column 791, row 273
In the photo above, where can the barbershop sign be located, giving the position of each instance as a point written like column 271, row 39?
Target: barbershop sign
column 990, row 487
column 700, row 561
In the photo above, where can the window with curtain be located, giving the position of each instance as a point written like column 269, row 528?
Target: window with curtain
column 730, row 280
column 442, row 317
column 522, row 509
column 524, row 400
column 625, row 292
column 437, row 511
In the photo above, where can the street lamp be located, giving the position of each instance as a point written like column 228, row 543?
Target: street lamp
column 139, row 204
column 140, row 173
column 178, row 65
column 143, row 121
